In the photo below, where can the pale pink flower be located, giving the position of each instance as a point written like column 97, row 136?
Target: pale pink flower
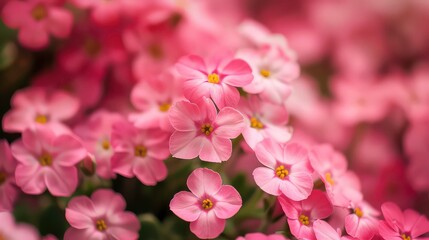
column 36, row 19
column 47, row 161
column 11, row 230
column 8, row 189
column 286, row 169
column 217, row 80
column 273, row 72
column 324, row 231
column 260, row 236
column 362, row 223
column 201, row 131
column 301, row 215
column 33, row 107
column 100, row 217
column 342, row 186
column 95, row 133
column 398, row 225
column 263, row 120
column 139, row 153
column 208, row 205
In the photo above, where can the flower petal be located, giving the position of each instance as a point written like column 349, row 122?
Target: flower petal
column 203, row 181
column 229, row 123
column 208, row 226
column 186, row 206
column 228, row 202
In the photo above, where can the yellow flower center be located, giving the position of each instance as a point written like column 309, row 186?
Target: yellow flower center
column 358, row 212
column 140, row 151
column 265, row 73
column 329, row 179
column 164, row 107
column 3, row 178
column 281, row 172
column 40, row 118
column 255, row 123
column 45, row 159
column 207, row 204
column 39, row 12
column 405, row 237
column 213, row 78
column 303, row 219
column 92, row 47
column 206, row 128
column 100, row 224
column 105, row 144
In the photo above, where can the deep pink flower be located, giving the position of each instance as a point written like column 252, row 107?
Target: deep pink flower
column 139, row 153
column 201, row 131
column 362, row 223
column 287, row 169
column 260, row 236
column 208, row 205
column 8, row 189
column 11, row 230
column 36, row 19
column 100, row 217
column 214, row 79
column 47, row 161
column 263, row 120
column 33, row 107
column 324, row 231
column 301, row 215
column 398, row 225
column 95, row 134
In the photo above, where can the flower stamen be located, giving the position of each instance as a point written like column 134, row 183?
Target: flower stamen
column 329, row 179
column 100, row 224
column 207, row 129
column 140, row 151
column 207, row 204
column 358, row 212
column 40, row 118
column 39, row 12
column 303, row 219
column 265, row 73
column 213, row 78
column 45, row 159
column 105, row 144
column 3, row 178
column 164, row 107
column 405, row 237
column 255, row 123
column 281, row 172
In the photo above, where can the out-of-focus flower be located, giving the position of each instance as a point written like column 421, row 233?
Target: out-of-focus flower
column 407, row 225
column 36, row 19
column 215, row 79
column 100, row 217
column 286, row 169
column 139, row 153
column 8, row 189
column 47, row 161
column 260, row 236
column 208, row 205
column 301, row 215
column 11, row 230
column 201, row 131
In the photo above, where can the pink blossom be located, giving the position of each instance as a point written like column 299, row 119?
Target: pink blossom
column 100, row 217
column 11, row 230
column 260, row 236
column 47, row 161
column 263, row 120
column 301, row 215
column 362, row 223
column 102, row 12
column 36, row 19
column 139, row 153
column 214, row 79
column 324, row 231
column 208, row 205
column 286, row 169
column 201, row 131
column 95, row 134
column 8, row 189
column 398, row 225
column 33, row 107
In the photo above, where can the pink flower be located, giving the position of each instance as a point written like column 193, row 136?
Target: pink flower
column 398, row 225
column 100, row 217
column 363, row 222
column 139, row 153
column 214, row 79
column 8, row 189
column 260, row 236
column 95, row 134
column 208, row 205
column 11, row 230
column 33, row 107
column 287, row 170
column 301, row 215
column 263, row 120
column 324, row 231
column 36, row 19
column 201, row 131
column 46, row 160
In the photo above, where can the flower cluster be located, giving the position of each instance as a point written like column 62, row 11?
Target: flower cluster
column 320, row 135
